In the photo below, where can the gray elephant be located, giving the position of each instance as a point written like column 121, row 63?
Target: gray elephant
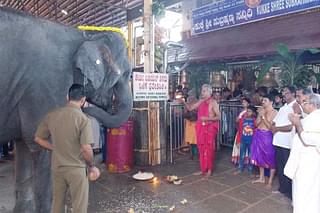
column 39, row 60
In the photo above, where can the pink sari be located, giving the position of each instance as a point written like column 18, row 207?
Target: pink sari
column 206, row 137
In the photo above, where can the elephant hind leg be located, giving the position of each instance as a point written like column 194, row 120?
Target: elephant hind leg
column 25, row 201
column 42, row 180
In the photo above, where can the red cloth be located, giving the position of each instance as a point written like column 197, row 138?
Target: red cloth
column 206, row 137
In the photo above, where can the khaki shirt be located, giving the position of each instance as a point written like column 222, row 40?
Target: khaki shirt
column 68, row 127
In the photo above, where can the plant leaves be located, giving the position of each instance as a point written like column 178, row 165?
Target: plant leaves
column 310, row 50
column 292, row 71
column 313, row 50
column 158, row 10
column 317, row 75
column 283, row 50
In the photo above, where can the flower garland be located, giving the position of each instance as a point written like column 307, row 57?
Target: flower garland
column 112, row 29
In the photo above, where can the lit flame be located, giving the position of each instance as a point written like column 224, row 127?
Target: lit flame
column 155, row 181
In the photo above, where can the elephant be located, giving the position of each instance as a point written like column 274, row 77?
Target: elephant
column 39, row 60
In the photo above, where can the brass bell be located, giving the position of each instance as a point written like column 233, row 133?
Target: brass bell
column 183, row 77
column 269, row 80
column 218, row 80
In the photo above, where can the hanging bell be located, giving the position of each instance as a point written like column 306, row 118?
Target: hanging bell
column 218, row 80
column 183, row 77
column 269, row 80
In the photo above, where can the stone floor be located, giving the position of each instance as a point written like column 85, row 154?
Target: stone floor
column 6, row 186
column 223, row 192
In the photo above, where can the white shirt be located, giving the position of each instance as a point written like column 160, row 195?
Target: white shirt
column 284, row 139
column 311, row 130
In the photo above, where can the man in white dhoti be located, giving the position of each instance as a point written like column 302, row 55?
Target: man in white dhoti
column 303, row 165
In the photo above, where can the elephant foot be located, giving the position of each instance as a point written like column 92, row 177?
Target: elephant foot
column 24, row 206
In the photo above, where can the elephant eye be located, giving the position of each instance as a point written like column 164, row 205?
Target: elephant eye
column 106, row 55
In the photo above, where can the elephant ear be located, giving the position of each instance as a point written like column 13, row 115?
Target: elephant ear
column 88, row 60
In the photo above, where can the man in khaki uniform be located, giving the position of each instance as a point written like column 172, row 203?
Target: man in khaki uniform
column 70, row 132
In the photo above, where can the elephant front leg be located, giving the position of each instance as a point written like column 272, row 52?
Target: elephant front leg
column 24, row 190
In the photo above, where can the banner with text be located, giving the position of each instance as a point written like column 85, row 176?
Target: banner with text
column 150, row 86
column 229, row 13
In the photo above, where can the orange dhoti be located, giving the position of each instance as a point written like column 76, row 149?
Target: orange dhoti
column 190, row 132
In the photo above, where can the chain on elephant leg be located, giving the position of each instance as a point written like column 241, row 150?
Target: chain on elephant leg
column 25, row 202
column 42, row 181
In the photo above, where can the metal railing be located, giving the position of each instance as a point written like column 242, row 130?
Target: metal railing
column 228, row 126
column 227, row 131
column 176, row 127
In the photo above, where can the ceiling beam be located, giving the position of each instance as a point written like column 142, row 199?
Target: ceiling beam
column 81, row 8
column 28, row 5
column 20, row 5
column 101, row 13
column 97, row 12
column 51, row 7
column 108, row 18
column 48, row 9
column 32, row 7
column 71, row 8
column 115, row 23
column 83, row 16
column 73, row 15
column 110, row 4
column 41, row 7
column 9, row 3
column 15, row 5
column 105, row 18
column 109, row 10
column 89, row 12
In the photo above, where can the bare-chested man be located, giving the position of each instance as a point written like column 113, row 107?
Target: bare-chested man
column 262, row 150
column 207, row 127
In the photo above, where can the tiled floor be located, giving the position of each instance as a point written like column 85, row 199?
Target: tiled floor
column 223, row 192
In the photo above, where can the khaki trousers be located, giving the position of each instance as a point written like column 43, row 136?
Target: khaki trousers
column 74, row 178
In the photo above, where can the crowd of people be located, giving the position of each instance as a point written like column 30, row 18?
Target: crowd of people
column 277, row 135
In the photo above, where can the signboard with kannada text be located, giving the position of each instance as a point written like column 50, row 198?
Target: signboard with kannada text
column 150, row 86
column 228, row 13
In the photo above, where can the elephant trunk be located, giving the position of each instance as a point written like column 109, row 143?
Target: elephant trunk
column 124, row 102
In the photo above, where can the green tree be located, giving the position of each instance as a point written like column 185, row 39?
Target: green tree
column 293, row 71
column 158, row 10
